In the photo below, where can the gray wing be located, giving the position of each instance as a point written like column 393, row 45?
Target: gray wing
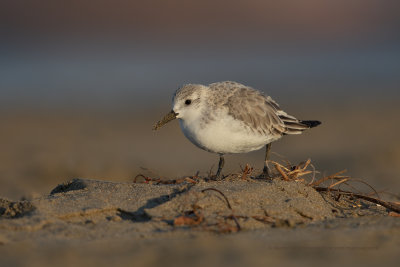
column 258, row 111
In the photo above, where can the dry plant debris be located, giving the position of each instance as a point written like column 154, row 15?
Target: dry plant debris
column 246, row 172
column 394, row 214
column 148, row 180
column 188, row 219
column 196, row 218
column 303, row 172
column 292, row 173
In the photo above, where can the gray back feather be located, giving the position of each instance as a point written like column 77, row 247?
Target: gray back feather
column 256, row 110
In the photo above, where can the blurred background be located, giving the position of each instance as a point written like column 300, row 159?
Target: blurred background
column 82, row 82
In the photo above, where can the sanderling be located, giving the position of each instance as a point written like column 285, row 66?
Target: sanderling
column 229, row 117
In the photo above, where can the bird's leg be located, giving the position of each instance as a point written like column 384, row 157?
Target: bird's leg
column 266, row 172
column 220, row 166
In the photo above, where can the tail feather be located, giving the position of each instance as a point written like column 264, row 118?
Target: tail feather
column 299, row 126
column 311, row 124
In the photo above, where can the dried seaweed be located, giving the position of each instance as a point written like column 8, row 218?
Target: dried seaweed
column 232, row 216
column 148, row 180
column 289, row 173
column 336, row 179
column 246, row 172
column 303, row 172
column 387, row 204
column 195, row 218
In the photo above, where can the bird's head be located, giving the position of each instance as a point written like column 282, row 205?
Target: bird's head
column 186, row 104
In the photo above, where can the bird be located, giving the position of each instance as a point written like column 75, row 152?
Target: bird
column 229, row 117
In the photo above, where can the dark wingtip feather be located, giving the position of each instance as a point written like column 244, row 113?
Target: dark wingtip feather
column 311, row 124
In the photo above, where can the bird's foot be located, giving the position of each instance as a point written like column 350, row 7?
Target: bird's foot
column 218, row 176
column 266, row 174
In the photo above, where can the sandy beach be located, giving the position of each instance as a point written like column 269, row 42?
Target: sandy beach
column 195, row 222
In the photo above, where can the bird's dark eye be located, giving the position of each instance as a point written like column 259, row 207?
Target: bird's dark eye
column 188, row 102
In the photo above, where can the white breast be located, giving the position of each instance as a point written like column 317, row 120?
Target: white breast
column 224, row 135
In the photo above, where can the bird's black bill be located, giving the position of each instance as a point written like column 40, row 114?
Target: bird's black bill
column 167, row 118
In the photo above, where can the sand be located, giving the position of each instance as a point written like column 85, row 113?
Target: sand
column 235, row 222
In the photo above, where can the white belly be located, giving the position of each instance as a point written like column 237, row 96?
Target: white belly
column 224, row 136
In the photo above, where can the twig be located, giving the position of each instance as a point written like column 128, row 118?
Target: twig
column 318, row 182
column 246, row 171
column 222, row 194
column 367, row 184
column 141, row 175
column 337, row 183
column 389, row 205
column 232, row 216
column 279, row 169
